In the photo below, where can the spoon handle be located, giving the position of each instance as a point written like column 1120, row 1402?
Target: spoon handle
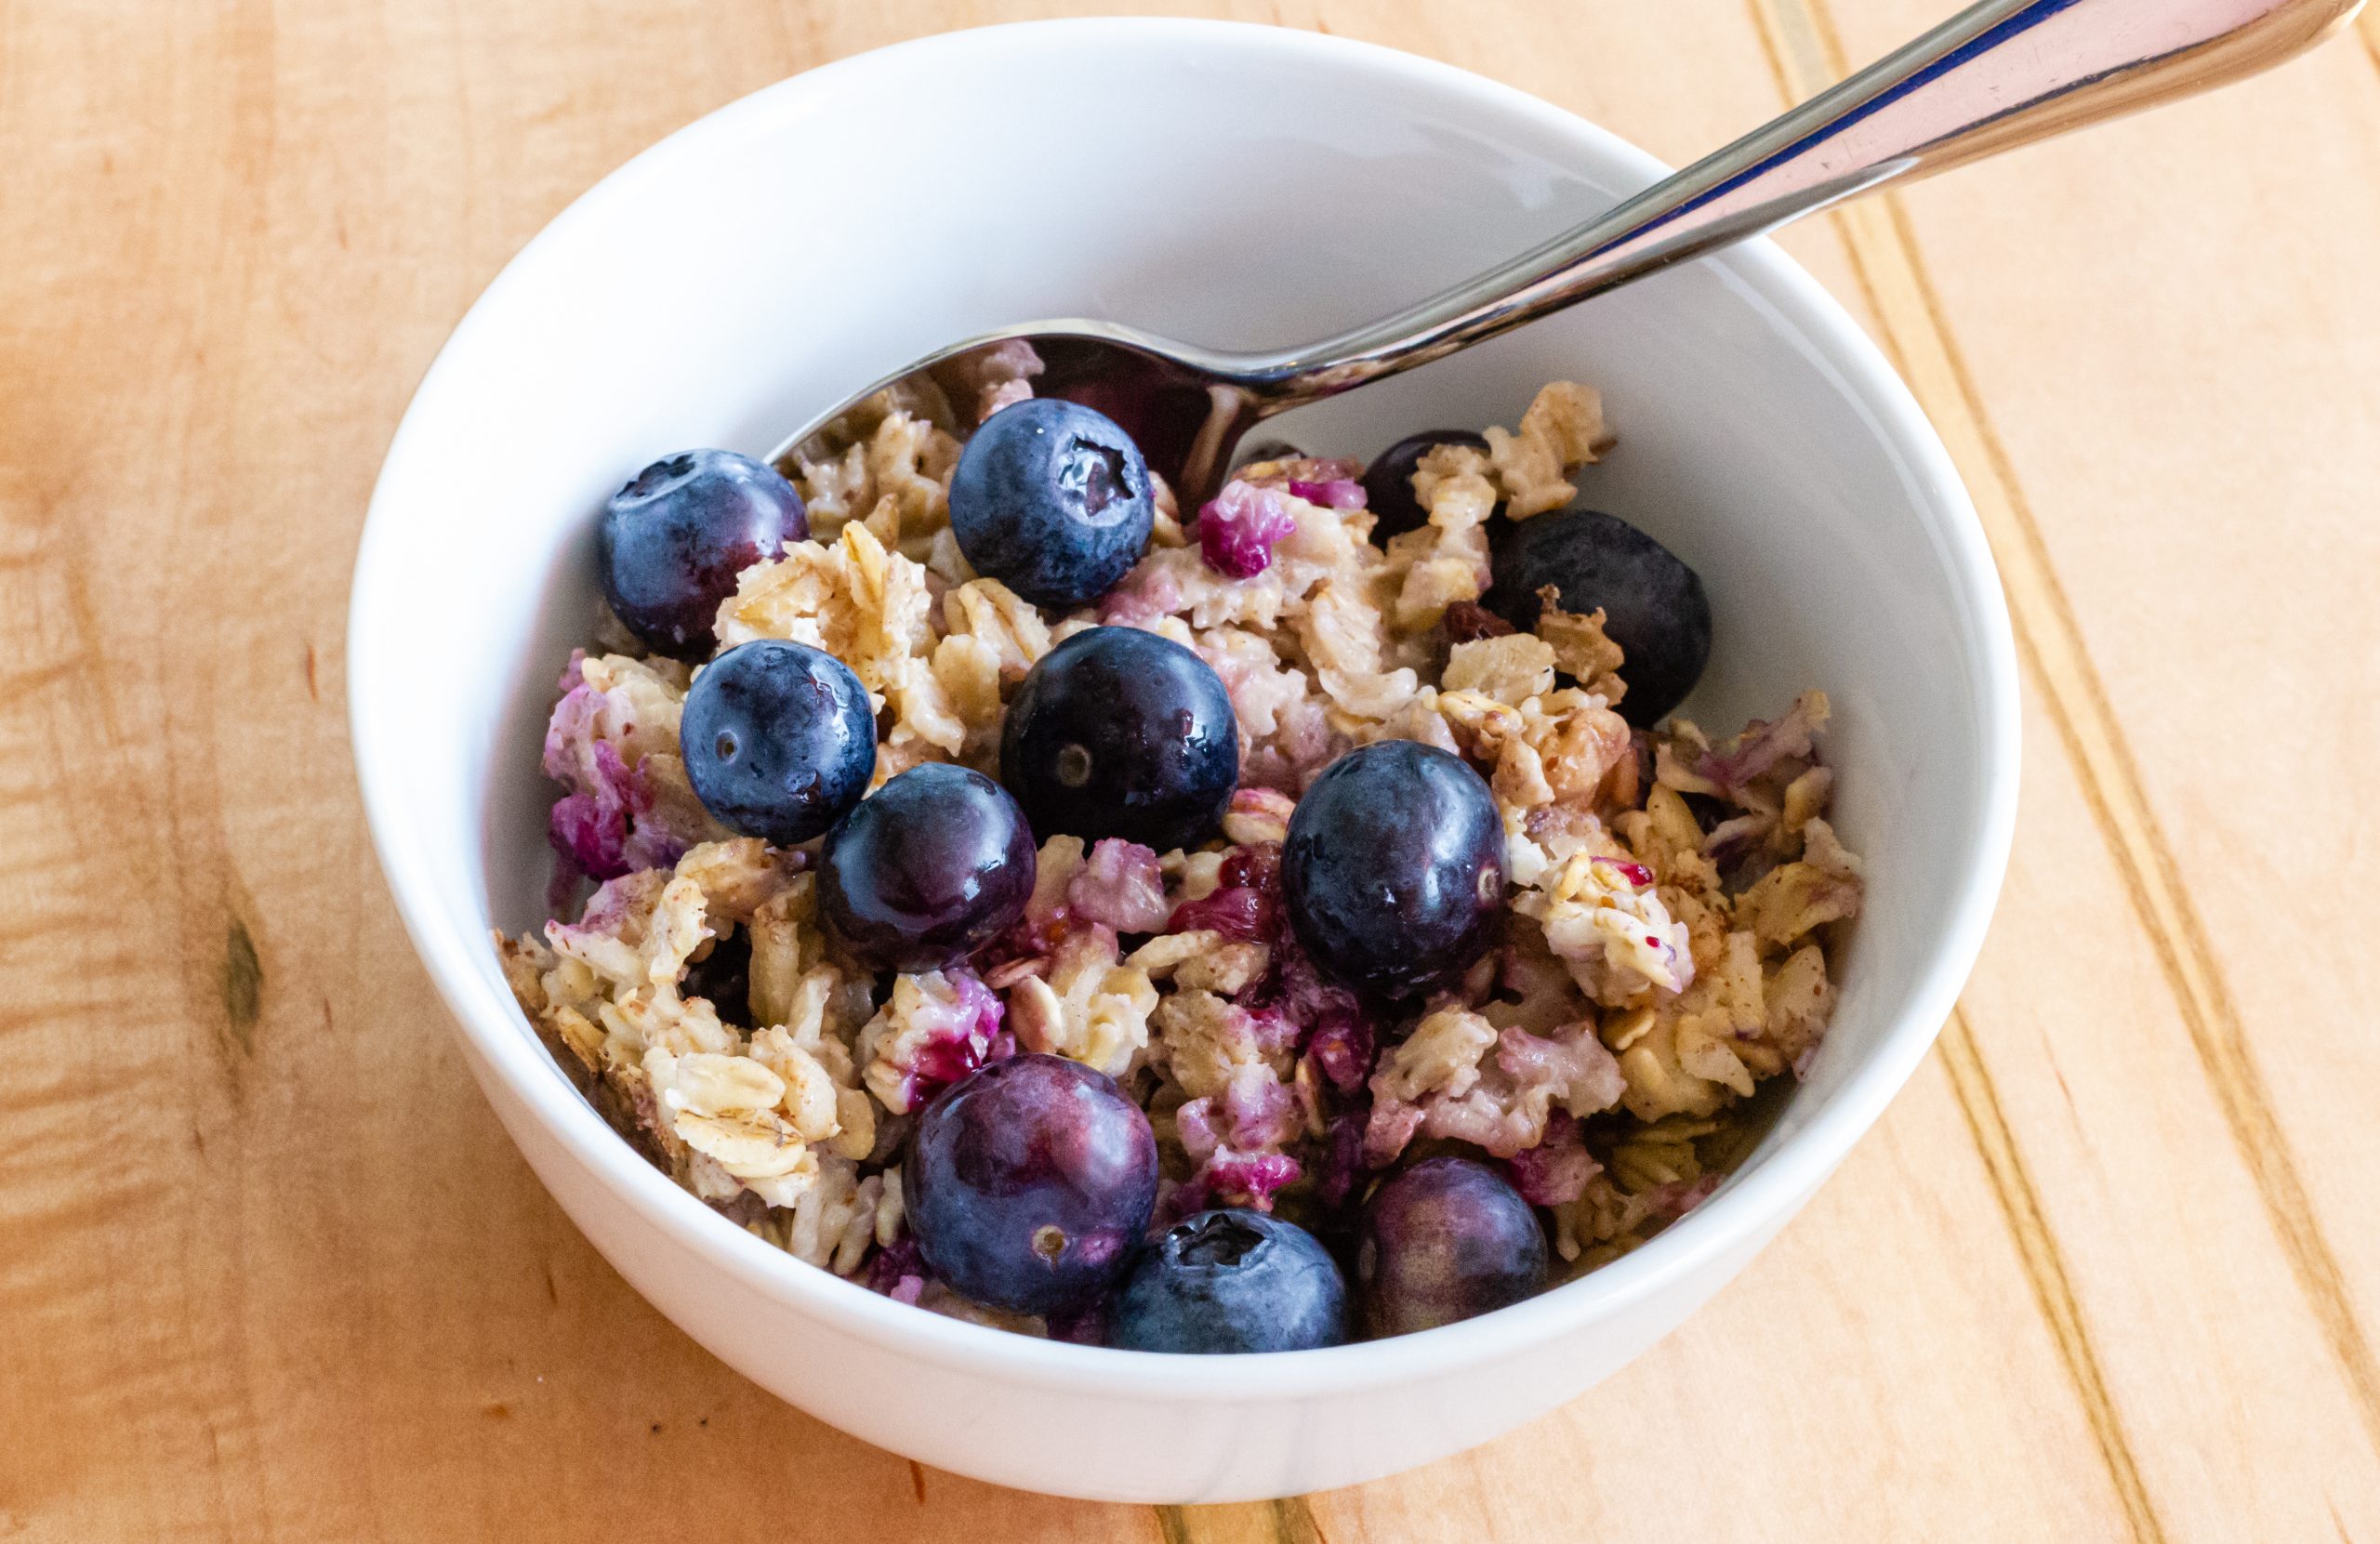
column 1998, row 74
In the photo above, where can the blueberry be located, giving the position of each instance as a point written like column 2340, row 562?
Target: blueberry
column 1388, row 481
column 1053, row 500
column 779, row 740
column 1120, row 733
column 1224, row 1281
column 928, row 869
column 675, row 537
column 1393, row 870
column 1028, row 1183
column 1447, row 1239
column 1653, row 604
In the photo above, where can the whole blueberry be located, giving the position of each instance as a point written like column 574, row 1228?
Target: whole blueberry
column 779, row 740
column 928, row 869
column 1447, row 1239
column 1228, row 1281
column 1120, row 732
column 1053, row 500
column 1028, row 1183
column 1388, row 481
column 1653, row 604
column 675, row 537
column 1394, row 869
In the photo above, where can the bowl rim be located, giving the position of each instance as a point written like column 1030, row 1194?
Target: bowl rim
column 1751, row 1200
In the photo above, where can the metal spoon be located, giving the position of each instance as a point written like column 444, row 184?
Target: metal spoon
column 1998, row 74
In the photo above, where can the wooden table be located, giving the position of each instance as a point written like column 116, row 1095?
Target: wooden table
column 269, row 1271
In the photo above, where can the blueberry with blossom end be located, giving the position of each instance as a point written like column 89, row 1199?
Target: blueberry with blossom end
column 1053, row 500
column 1388, row 481
column 1231, row 1281
column 779, row 740
column 1120, row 732
column 674, row 538
column 928, row 869
column 1028, row 1184
column 1393, row 871
column 1653, row 604
column 1447, row 1239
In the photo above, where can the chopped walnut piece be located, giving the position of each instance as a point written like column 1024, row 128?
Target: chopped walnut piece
column 1581, row 649
column 1561, row 431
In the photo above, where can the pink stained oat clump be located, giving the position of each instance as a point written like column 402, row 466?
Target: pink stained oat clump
column 1557, row 1169
column 1254, row 1111
column 898, row 1271
column 606, row 825
column 1238, row 528
column 1235, row 1138
column 1338, row 492
column 1341, row 1047
column 590, row 826
column 968, row 1035
column 1342, row 1155
column 1245, row 903
column 1251, row 1180
column 1119, row 886
column 1761, row 747
column 1673, row 1200
column 1146, row 595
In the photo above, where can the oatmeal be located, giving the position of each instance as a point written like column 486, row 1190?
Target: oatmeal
column 1330, row 856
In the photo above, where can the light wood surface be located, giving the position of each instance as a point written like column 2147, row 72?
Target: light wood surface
column 268, row 1271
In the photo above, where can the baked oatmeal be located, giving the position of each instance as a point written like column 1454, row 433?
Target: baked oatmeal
column 1231, row 928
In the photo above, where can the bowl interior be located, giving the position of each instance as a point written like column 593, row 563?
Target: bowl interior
column 1235, row 186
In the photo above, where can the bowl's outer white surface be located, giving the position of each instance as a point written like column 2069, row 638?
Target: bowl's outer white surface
column 1236, row 186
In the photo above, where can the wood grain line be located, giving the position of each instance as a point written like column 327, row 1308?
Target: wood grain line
column 1287, row 1520
column 1783, row 34
column 1294, row 1522
column 2111, row 782
column 1804, row 61
column 2050, row 637
column 2037, row 1246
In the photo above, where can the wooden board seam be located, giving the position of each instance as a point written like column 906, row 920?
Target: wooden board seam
column 1290, row 1520
column 2044, row 1262
column 2050, row 640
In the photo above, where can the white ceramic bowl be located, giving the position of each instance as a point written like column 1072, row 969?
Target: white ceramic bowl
column 1235, row 186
